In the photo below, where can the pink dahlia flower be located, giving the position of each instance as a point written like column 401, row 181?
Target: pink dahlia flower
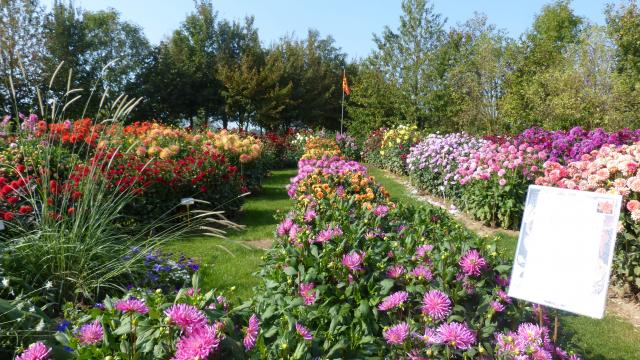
column 251, row 334
column 132, row 305
column 436, row 304
column 35, row 351
column 353, row 260
column 186, row 316
column 394, row 300
column 91, row 333
column 396, row 334
column 456, row 335
column 304, row 332
column 472, row 263
column 308, row 293
column 395, row 271
column 199, row 344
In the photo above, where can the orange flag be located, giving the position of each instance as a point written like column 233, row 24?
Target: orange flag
column 345, row 85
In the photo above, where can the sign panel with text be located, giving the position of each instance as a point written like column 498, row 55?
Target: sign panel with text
column 565, row 249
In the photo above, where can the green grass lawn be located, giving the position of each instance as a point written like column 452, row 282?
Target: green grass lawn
column 609, row 338
column 231, row 263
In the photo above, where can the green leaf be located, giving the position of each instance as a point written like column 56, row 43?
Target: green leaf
column 386, row 285
column 290, row 271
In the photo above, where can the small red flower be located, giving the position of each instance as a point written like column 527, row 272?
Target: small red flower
column 71, row 211
column 8, row 216
column 12, row 200
column 25, row 209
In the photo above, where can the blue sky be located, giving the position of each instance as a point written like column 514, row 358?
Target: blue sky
column 350, row 22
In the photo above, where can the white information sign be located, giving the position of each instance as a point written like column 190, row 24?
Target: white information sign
column 565, row 249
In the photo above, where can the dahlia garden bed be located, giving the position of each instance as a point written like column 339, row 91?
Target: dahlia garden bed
column 351, row 275
column 488, row 177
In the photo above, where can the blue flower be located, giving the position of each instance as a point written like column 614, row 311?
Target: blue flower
column 63, row 325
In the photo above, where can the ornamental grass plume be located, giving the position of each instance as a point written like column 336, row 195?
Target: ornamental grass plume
column 396, row 334
column 304, row 332
column 393, row 301
column 35, row 351
column 91, row 333
column 436, row 304
column 251, row 334
column 132, row 305
column 456, row 335
column 187, row 317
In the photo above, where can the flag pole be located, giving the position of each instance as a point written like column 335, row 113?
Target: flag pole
column 342, row 111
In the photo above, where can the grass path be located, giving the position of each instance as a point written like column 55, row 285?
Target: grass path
column 231, row 263
column 610, row 338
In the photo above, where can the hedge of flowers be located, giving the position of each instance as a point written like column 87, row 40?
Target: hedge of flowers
column 611, row 169
column 488, row 177
column 163, row 164
column 353, row 275
column 433, row 163
column 317, row 147
column 395, row 146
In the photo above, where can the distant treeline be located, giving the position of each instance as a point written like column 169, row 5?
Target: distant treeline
column 210, row 70
column 564, row 71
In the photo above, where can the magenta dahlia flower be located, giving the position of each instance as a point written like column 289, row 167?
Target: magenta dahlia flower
column 396, row 334
column 456, row 335
column 353, row 260
column 395, row 271
column 422, row 272
column 381, row 210
column 132, row 305
column 430, row 336
column 472, row 263
column 436, row 304
column 394, row 300
column 304, row 332
column 284, row 227
column 497, row 306
column 328, row 234
column 198, row 344
column 186, row 316
column 309, row 215
column 35, row 351
column 251, row 335
column 91, row 333
column 422, row 250
column 308, row 293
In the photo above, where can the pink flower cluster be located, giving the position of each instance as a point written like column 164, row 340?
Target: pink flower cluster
column 529, row 342
column 333, row 165
column 521, row 159
column 611, row 169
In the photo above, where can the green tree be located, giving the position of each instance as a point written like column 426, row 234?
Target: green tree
column 21, row 49
column 99, row 52
column 623, row 25
column 410, row 57
column 373, row 102
column 477, row 74
column 534, row 61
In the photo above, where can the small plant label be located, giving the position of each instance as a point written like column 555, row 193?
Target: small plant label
column 565, row 249
column 1, row 225
column 187, row 201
